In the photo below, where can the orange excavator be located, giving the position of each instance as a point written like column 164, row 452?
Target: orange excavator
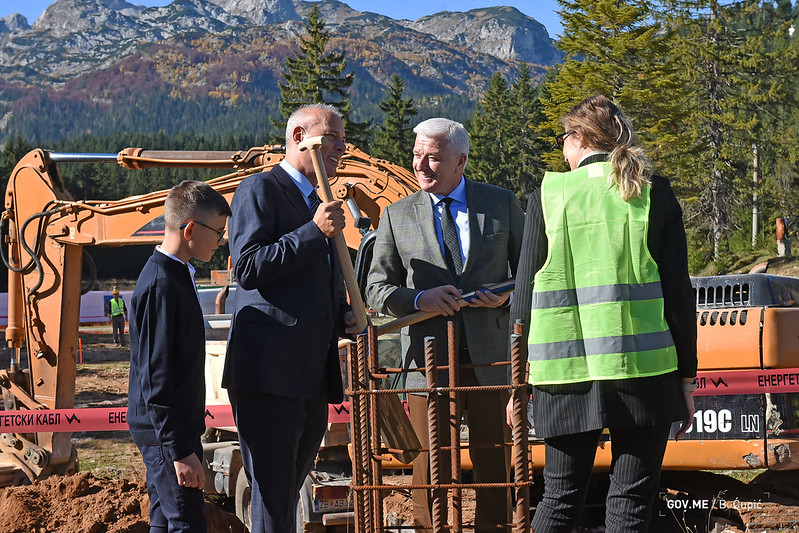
column 44, row 233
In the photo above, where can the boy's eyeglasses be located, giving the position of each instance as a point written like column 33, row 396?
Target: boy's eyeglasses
column 559, row 139
column 220, row 233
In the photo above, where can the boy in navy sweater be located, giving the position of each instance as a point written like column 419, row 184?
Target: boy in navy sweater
column 166, row 396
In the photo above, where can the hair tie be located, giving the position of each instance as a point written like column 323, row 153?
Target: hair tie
column 621, row 128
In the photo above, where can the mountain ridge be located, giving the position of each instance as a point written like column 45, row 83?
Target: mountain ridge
column 227, row 52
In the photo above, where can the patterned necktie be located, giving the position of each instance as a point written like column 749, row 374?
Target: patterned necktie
column 452, row 248
column 314, row 201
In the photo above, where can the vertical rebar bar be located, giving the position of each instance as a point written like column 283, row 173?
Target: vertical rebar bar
column 366, row 437
column 373, row 383
column 454, row 428
column 520, row 446
column 518, row 329
column 438, row 517
column 355, row 427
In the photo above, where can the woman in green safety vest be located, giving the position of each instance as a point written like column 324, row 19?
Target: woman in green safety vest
column 612, row 323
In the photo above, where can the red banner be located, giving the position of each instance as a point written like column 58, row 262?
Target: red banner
column 218, row 416
column 115, row 419
column 748, row 382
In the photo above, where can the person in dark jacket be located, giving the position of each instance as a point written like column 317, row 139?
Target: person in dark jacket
column 282, row 366
column 603, row 286
column 166, row 396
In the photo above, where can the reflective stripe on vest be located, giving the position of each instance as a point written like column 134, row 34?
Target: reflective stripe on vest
column 597, row 309
column 117, row 307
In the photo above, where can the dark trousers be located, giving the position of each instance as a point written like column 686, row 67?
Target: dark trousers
column 485, row 417
column 637, row 457
column 279, row 440
column 118, row 329
column 172, row 508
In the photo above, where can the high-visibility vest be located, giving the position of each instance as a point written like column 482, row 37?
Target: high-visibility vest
column 117, row 306
column 597, row 311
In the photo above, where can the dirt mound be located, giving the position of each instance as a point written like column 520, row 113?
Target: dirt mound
column 82, row 503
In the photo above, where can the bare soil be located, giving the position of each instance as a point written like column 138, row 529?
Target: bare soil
column 398, row 506
column 83, row 503
column 80, row 502
column 109, row 494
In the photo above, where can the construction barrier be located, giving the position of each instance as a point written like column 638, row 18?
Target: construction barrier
column 115, row 419
column 783, row 380
column 221, row 416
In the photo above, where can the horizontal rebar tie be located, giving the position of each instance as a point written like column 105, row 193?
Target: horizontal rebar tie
column 475, row 388
column 358, row 488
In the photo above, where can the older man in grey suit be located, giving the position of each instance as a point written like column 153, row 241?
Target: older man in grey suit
column 453, row 236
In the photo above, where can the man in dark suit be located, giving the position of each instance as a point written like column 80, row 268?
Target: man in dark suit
column 282, row 365
column 453, row 236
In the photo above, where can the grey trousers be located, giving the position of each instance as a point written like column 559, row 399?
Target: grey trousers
column 118, row 329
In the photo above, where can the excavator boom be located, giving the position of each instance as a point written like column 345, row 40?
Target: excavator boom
column 45, row 230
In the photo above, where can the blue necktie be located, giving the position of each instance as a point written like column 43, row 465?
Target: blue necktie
column 314, row 201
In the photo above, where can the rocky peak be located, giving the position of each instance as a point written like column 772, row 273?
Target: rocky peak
column 331, row 11
column 189, row 15
column 338, row 15
column 105, row 21
column 502, row 32
column 69, row 17
column 260, row 12
column 13, row 22
column 123, row 7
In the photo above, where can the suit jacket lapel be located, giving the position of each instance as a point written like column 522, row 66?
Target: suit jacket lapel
column 292, row 193
column 297, row 201
column 423, row 208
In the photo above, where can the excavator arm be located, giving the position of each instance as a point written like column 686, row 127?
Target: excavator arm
column 44, row 232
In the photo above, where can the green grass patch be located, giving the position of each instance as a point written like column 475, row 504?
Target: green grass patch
column 110, row 456
column 744, row 476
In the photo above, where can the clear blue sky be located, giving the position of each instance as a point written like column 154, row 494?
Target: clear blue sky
column 541, row 10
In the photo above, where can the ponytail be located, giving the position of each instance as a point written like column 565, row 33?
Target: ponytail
column 631, row 170
column 604, row 127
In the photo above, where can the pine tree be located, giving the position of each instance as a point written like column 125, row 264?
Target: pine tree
column 525, row 144
column 506, row 147
column 736, row 58
column 780, row 187
column 716, row 198
column 491, row 135
column 394, row 138
column 767, row 78
column 313, row 76
column 13, row 150
column 619, row 49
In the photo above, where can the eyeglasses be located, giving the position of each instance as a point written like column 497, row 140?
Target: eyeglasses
column 220, row 233
column 559, row 139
